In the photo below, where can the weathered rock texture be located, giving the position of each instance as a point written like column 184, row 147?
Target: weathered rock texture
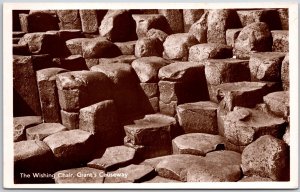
column 151, row 95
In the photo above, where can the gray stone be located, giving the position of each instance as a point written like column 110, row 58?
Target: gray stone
column 23, row 22
column 158, row 34
column 286, row 136
column 269, row 16
column 118, row 26
column 255, row 37
column 190, row 16
column 113, row 157
column 72, row 63
column 48, row 94
column 278, row 103
column 26, row 98
column 209, row 51
column 89, row 20
column 207, row 171
column 159, row 179
column 266, row 157
column 255, row 178
column 224, row 157
column 146, row 47
column 244, row 94
column 171, row 91
column 147, row 68
column 266, row 66
column 284, row 18
column 197, row 143
column 101, row 120
column 41, row 43
column 199, row 117
column 130, row 174
column 168, row 108
column 285, row 77
column 98, row 48
column 79, row 89
column 218, row 21
column 70, row 147
column 175, row 166
column 126, row 48
column 199, row 29
column 39, row 132
column 150, row 89
column 22, row 123
column 231, row 36
column 75, row 45
column 146, row 22
column 32, row 156
column 70, row 119
column 242, row 126
column 177, row 46
column 79, row 175
column 69, row 19
column 181, row 71
column 174, row 18
column 280, row 40
column 218, row 71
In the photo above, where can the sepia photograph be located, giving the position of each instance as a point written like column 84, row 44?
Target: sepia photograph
column 186, row 95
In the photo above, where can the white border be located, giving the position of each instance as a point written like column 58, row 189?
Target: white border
column 8, row 100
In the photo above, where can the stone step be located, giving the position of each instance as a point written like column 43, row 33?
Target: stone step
column 197, row 143
column 22, row 123
column 39, row 132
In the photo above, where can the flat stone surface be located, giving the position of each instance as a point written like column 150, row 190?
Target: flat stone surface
column 147, row 68
column 21, row 123
column 224, row 157
column 207, row 171
column 150, row 130
column 278, row 103
column 266, row 66
column 243, row 125
column 70, row 119
column 209, row 51
column 266, row 157
column 280, row 40
column 175, row 166
column 181, row 71
column 255, row 178
column 244, row 94
column 176, row 46
column 79, row 175
column 70, row 146
column 255, row 37
column 218, row 71
column 39, row 132
column 196, row 143
column 32, row 156
column 285, row 73
column 115, row 156
column 130, row 174
column 198, row 117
